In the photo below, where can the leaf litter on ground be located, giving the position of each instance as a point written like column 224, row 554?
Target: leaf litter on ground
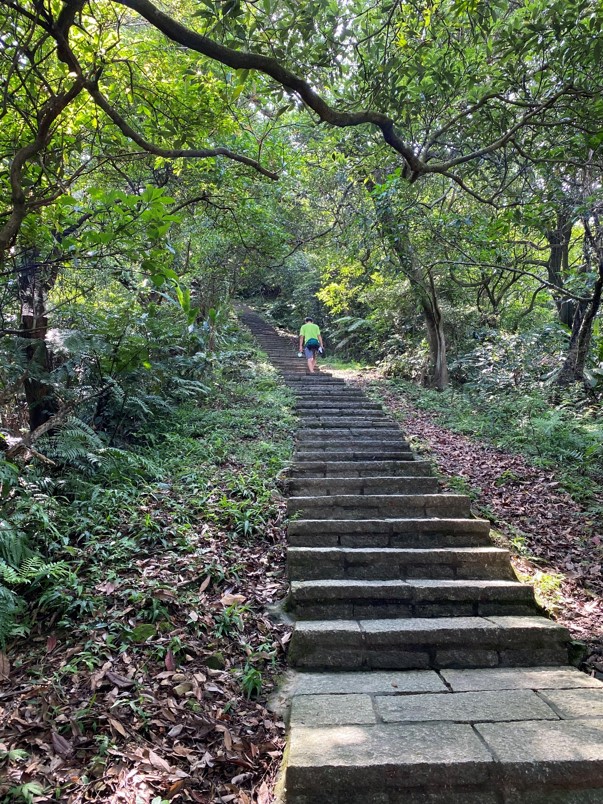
column 151, row 722
column 158, row 692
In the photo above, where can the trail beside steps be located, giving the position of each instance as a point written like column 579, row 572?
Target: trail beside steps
column 425, row 673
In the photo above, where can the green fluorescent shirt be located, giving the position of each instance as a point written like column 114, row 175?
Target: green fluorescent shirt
column 310, row 331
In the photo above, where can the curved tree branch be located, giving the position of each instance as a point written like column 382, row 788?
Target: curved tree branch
column 169, row 153
column 244, row 60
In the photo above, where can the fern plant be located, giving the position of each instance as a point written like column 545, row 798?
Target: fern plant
column 12, row 610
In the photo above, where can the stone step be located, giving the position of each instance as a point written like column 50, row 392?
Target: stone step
column 338, row 408
column 319, row 421
column 343, row 389
column 290, row 366
column 428, row 643
column 361, row 454
column 324, row 418
column 295, row 371
column 373, row 506
column 379, row 599
column 532, row 762
column 333, row 418
column 320, row 396
column 311, row 380
column 352, row 439
column 423, row 533
column 321, row 387
column 382, row 563
column 321, row 486
column 318, row 469
column 377, row 434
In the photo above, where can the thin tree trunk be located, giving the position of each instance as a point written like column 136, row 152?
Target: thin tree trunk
column 39, row 393
column 438, row 377
column 558, row 265
column 423, row 285
column 582, row 327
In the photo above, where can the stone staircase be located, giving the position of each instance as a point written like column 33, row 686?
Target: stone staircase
column 424, row 672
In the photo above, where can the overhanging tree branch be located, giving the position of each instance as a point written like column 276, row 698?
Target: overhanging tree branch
column 169, row 153
column 270, row 66
column 244, row 60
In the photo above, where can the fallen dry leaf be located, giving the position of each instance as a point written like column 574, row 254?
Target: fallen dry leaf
column 175, row 788
column 157, row 762
column 230, row 600
column 61, row 746
column 170, row 662
column 123, row 682
column 115, row 724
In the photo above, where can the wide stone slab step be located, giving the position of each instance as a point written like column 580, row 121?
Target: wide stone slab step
column 531, row 762
column 423, row 643
column 380, row 563
column 365, row 428
column 325, row 486
column 379, row 420
column 349, row 439
column 360, row 454
column 373, row 506
column 409, row 532
column 335, row 417
column 313, row 380
column 316, row 394
column 365, row 437
column 320, row 469
column 378, row 599
column 337, row 408
column 320, row 397
column 296, row 371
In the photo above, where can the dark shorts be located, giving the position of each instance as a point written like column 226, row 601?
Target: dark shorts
column 310, row 351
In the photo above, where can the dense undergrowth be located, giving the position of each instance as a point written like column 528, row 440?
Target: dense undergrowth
column 564, row 433
column 139, row 576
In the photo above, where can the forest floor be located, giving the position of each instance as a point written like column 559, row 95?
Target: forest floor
column 556, row 543
column 149, row 682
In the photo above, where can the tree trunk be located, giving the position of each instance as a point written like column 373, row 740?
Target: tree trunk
column 558, row 265
column 582, row 327
column 434, row 322
column 39, row 393
column 423, row 285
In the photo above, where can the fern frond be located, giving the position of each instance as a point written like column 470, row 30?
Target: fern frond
column 12, row 609
column 13, row 549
